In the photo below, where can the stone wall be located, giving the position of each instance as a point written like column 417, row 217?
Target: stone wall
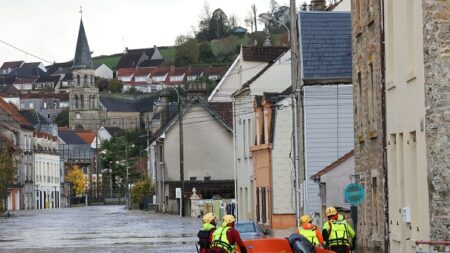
column 369, row 131
column 436, row 18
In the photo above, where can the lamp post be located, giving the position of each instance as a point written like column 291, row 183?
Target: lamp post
column 266, row 17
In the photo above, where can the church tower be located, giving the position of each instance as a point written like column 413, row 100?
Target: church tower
column 84, row 112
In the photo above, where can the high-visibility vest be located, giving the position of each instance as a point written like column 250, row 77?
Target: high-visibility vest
column 339, row 234
column 310, row 234
column 220, row 240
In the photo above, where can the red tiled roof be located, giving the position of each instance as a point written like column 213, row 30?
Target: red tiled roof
column 45, row 135
column 178, row 71
column 225, row 110
column 334, row 164
column 143, row 71
column 126, row 72
column 13, row 112
column 86, row 136
column 160, row 71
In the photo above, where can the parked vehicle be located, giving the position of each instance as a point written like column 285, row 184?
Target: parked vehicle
column 251, row 230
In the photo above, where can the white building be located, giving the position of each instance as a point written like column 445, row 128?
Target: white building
column 47, row 173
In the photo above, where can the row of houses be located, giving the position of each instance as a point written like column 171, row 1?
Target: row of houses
column 369, row 118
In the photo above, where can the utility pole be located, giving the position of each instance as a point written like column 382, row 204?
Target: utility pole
column 297, row 111
column 180, row 122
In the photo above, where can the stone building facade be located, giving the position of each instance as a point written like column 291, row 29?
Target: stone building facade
column 436, row 37
column 368, row 84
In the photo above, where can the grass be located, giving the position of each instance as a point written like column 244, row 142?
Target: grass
column 109, row 60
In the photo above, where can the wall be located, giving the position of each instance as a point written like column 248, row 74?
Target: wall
column 283, row 186
column 369, row 129
column 436, row 36
column 328, row 133
column 405, row 119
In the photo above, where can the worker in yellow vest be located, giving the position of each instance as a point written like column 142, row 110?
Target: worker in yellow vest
column 337, row 233
column 310, row 231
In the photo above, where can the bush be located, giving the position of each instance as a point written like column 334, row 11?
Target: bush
column 142, row 189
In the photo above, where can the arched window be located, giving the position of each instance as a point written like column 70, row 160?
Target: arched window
column 85, row 79
column 76, row 101
column 92, row 80
column 78, row 80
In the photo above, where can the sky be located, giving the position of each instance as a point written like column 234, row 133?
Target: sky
column 48, row 29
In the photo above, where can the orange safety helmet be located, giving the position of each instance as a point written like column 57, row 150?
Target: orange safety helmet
column 330, row 211
column 208, row 218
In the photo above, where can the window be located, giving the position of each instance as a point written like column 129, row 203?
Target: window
column 371, row 95
column 85, row 79
column 45, row 105
column 244, row 136
column 360, row 100
column 82, row 101
column 78, row 80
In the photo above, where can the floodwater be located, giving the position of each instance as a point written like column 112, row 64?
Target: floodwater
column 97, row 229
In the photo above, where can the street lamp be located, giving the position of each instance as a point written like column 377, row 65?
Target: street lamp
column 266, row 18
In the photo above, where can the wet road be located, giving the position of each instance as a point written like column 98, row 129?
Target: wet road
column 97, row 229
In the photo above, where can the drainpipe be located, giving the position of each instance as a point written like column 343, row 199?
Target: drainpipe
column 383, row 119
column 234, row 159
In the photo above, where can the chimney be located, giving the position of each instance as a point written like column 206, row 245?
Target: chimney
column 318, row 5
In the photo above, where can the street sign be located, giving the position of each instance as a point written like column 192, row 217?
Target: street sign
column 354, row 194
column 178, row 193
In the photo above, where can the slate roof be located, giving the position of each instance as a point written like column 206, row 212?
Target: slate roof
column 129, row 60
column 113, row 131
column 7, row 80
column 225, row 110
column 70, row 137
column 148, row 51
column 34, row 117
column 120, row 104
column 48, row 79
column 326, row 45
column 59, row 68
column 82, row 59
column 151, row 63
column 8, row 90
column 29, row 69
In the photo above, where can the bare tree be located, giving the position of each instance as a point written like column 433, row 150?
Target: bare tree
column 249, row 21
column 233, row 19
column 273, row 6
column 254, row 17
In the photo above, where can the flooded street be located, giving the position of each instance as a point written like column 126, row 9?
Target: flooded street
column 97, row 229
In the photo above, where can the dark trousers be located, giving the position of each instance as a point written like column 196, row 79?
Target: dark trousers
column 340, row 248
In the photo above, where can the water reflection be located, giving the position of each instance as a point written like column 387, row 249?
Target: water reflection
column 97, row 229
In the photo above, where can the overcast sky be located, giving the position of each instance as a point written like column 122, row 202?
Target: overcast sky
column 49, row 28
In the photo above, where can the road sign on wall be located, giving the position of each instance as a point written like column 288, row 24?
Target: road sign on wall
column 354, row 194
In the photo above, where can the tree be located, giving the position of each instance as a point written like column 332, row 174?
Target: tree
column 76, row 179
column 203, row 25
column 233, row 21
column 186, row 51
column 219, row 26
column 62, row 119
column 8, row 169
column 254, row 17
column 206, row 53
column 115, row 86
column 249, row 21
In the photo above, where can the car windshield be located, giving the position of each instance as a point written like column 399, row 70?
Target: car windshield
column 245, row 227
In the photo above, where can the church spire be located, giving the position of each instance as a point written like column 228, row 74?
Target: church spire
column 82, row 58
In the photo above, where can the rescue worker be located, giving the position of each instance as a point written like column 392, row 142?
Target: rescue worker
column 338, row 234
column 310, row 231
column 204, row 235
column 225, row 237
